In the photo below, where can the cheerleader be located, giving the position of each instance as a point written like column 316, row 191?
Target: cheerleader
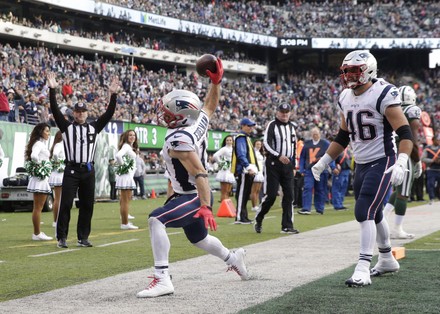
column 259, row 177
column 125, row 158
column 223, row 158
column 57, row 157
column 39, row 168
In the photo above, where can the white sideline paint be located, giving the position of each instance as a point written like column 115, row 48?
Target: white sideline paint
column 53, row 253
column 119, row 242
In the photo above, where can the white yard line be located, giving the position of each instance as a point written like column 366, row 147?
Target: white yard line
column 115, row 243
column 53, row 253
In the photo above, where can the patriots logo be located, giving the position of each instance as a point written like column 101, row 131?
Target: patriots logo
column 175, row 143
column 183, row 104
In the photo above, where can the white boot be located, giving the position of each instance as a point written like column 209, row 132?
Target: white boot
column 398, row 233
column 158, row 286
column 361, row 275
column 385, row 264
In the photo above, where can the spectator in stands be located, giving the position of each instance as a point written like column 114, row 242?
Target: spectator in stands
column 4, row 105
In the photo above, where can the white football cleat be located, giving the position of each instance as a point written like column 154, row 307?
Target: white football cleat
column 239, row 266
column 385, row 265
column 360, row 277
column 401, row 235
column 157, row 287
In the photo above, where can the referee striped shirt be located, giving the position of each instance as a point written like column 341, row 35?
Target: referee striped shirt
column 280, row 139
column 80, row 139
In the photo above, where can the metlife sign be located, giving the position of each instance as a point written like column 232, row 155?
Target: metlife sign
column 295, row 43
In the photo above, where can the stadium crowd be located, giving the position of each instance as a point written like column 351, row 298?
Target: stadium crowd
column 313, row 95
column 323, row 18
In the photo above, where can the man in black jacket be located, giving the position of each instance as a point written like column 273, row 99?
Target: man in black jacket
column 79, row 139
column 280, row 144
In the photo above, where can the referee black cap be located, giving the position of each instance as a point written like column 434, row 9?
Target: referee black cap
column 80, row 106
column 284, row 107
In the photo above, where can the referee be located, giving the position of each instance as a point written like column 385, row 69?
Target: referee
column 79, row 139
column 280, row 144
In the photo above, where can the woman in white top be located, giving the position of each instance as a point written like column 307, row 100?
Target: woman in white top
column 259, row 177
column 57, row 157
column 223, row 158
column 2, row 153
column 37, row 161
column 126, row 160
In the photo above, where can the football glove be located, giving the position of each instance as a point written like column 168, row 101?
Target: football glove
column 216, row 77
column 398, row 170
column 418, row 170
column 205, row 212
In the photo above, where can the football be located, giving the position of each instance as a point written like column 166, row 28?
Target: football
column 206, row 62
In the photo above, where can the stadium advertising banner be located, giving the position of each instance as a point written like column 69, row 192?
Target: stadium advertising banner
column 296, row 43
column 145, row 18
column 375, row 43
column 153, row 136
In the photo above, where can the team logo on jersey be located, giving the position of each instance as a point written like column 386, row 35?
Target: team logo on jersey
column 182, row 104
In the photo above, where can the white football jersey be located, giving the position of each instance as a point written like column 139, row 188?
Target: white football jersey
column 412, row 112
column 371, row 135
column 190, row 138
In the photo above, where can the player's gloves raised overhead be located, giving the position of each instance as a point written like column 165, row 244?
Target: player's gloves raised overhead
column 216, row 77
column 398, row 170
column 205, row 212
column 418, row 170
column 320, row 166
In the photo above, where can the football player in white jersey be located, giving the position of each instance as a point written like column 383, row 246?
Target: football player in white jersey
column 399, row 198
column 370, row 111
column 189, row 207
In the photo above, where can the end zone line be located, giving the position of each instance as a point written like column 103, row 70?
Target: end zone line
column 119, row 242
column 52, row 253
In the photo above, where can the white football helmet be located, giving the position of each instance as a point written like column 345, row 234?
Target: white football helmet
column 358, row 68
column 178, row 108
column 407, row 95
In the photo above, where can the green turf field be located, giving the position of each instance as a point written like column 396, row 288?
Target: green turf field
column 414, row 290
column 30, row 267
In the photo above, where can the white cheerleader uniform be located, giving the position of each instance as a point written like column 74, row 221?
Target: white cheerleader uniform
column 39, row 153
column 259, row 177
column 56, row 178
column 126, row 181
column 224, row 174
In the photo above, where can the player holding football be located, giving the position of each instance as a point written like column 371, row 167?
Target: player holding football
column 189, row 207
column 399, row 199
column 370, row 111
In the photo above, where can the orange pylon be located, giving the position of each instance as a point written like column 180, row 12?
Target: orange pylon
column 153, row 194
